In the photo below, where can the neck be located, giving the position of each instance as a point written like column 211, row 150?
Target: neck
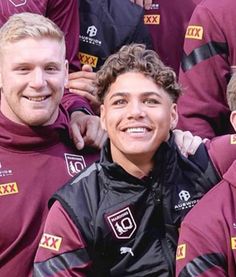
column 136, row 165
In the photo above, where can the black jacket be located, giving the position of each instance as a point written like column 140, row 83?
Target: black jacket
column 106, row 25
column 131, row 225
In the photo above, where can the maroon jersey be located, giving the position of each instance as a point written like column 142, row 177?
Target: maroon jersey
column 167, row 21
column 207, row 243
column 35, row 162
column 209, row 52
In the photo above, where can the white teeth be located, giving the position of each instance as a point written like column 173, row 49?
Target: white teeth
column 37, row 99
column 136, row 130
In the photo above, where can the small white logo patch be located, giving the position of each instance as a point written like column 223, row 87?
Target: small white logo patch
column 74, row 163
column 124, row 250
column 122, row 223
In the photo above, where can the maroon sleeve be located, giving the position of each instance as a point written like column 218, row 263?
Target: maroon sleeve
column 61, row 251
column 205, row 69
column 222, row 151
column 202, row 246
column 196, row 252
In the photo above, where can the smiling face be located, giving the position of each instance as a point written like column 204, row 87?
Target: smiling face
column 32, row 77
column 138, row 116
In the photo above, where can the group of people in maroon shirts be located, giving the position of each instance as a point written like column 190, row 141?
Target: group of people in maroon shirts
column 58, row 109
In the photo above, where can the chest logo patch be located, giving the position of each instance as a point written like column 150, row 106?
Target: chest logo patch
column 233, row 243
column 194, row 32
column 122, row 223
column 9, row 188
column 74, row 164
column 181, row 252
column 18, row 3
column 88, row 59
column 152, row 19
column 50, row 242
column 233, row 139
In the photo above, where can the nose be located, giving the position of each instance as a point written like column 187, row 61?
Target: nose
column 37, row 78
column 135, row 109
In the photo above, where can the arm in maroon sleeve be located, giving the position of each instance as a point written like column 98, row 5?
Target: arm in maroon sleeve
column 62, row 251
column 208, row 54
column 202, row 247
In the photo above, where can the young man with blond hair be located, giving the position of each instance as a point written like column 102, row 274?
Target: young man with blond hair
column 36, row 150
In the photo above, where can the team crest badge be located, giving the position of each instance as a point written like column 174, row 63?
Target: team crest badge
column 122, row 223
column 18, row 3
column 74, row 164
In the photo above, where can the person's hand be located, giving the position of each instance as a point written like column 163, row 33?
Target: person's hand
column 82, row 83
column 87, row 130
column 186, row 142
column 143, row 3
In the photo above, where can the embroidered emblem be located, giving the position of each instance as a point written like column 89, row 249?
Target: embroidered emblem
column 74, row 163
column 122, row 223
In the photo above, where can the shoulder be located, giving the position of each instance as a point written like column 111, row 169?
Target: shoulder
column 222, row 151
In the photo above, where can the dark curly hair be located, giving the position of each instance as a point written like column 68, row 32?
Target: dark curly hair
column 136, row 58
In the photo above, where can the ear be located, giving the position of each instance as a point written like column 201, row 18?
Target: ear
column 174, row 116
column 103, row 117
column 233, row 119
column 66, row 73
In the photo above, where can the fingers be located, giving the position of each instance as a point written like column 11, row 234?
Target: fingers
column 186, row 142
column 143, row 3
column 87, row 130
column 77, row 136
column 95, row 135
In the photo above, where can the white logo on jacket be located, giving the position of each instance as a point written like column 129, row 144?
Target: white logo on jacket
column 122, row 223
column 92, row 31
column 124, row 250
column 184, row 195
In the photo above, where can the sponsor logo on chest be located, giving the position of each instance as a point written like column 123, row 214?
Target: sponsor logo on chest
column 233, row 139
column 9, row 188
column 122, row 223
column 152, row 19
column 88, row 59
column 184, row 201
column 74, row 163
column 90, row 35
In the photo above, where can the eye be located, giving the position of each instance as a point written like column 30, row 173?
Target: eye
column 151, row 101
column 52, row 69
column 119, row 102
column 22, row 69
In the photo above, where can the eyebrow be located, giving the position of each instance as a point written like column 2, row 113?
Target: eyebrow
column 146, row 93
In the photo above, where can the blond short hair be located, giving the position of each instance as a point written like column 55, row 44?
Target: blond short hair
column 29, row 25
column 231, row 93
column 136, row 58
